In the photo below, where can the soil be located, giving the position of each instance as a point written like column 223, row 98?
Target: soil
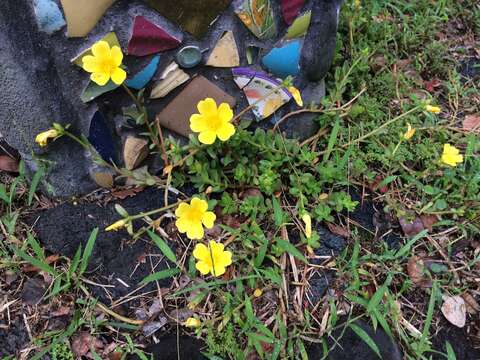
column 171, row 348
column 116, row 259
column 13, row 337
column 459, row 340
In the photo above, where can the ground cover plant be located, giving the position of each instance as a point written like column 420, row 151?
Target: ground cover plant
column 399, row 128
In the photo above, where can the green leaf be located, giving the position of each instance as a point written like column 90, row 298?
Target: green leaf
column 121, row 210
column 333, row 139
column 33, row 186
column 3, row 194
column 249, row 310
column 366, row 338
column 261, row 253
column 277, row 212
column 162, row 245
column 35, row 262
column 450, row 352
column 37, row 249
column 75, row 261
column 88, row 251
column 291, row 249
column 161, row 275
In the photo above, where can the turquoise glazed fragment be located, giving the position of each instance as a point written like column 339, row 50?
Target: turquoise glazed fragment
column 189, row 57
column 142, row 78
column 284, row 60
column 49, row 17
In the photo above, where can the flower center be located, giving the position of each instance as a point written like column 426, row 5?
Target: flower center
column 193, row 215
column 214, row 122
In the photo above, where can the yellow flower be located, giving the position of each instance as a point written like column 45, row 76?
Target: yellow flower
column 42, row 138
column 296, row 95
column 190, row 218
column 308, row 225
column 104, row 64
column 257, row 293
column 433, row 109
column 192, row 322
column 212, row 122
column 212, row 259
column 451, row 155
column 409, row 133
column 116, row 225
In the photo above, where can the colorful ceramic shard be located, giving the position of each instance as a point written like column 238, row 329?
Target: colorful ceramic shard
column 110, row 38
column 143, row 77
column 257, row 15
column 291, row 9
column 194, row 16
column 284, row 60
column 148, row 38
column 264, row 93
column 171, row 78
column 135, row 150
column 101, row 138
column 94, row 90
column 225, row 53
column 252, row 54
column 299, row 27
column 189, row 57
column 176, row 115
column 49, row 17
column 83, row 15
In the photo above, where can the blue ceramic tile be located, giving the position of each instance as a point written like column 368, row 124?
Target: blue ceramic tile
column 284, row 60
column 101, row 138
column 49, row 17
column 141, row 79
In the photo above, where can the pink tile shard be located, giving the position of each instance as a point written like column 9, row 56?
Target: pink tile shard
column 291, row 9
column 148, row 38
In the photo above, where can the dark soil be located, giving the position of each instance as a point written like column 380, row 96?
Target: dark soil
column 171, row 348
column 62, row 229
column 458, row 339
column 13, row 337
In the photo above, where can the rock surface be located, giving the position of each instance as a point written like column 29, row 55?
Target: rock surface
column 41, row 86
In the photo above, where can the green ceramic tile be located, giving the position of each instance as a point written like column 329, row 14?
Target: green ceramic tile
column 93, row 90
column 194, row 16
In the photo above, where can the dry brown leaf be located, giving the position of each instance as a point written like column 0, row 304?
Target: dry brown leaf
column 123, row 194
column 338, row 230
column 82, row 342
column 454, row 310
column 420, row 223
column 61, row 311
column 417, row 271
column 8, row 164
column 472, row 123
column 471, row 304
column 430, row 85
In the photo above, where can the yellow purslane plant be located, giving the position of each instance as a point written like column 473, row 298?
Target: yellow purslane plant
column 105, row 64
column 54, row 133
column 409, row 133
column 192, row 217
column 451, row 155
column 212, row 121
column 212, row 258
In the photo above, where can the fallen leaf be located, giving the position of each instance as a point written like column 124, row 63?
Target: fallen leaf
column 471, row 304
column 61, row 311
column 82, row 343
column 455, row 310
column 472, row 123
column 250, row 192
column 152, row 327
column 33, row 291
column 378, row 63
column 338, row 230
column 418, row 272
column 180, row 315
column 428, row 221
column 430, row 85
column 420, row 223
column 8, row 164
column 123, row 194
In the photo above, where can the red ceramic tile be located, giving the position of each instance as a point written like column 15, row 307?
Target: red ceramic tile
column 291, row 9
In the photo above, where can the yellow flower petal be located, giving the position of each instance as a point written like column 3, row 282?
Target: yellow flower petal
column 182, row 225
column 117, row 56
column 296, row 95
column 207, row 137
column 181, row 209
column 451, row 155
column 201, row 252
column 42, row 138
column 208, row 219
column 207, row 107
column 308, row 225
column 433, row 109
column 199, row 204
column 90, row 64
column 225, row 112
column 118, row 76
column 198, row 123
column 226, row 131
column 101, row 49
column 192, row 322
column 100, row 78
column 409, row 133
column 257, row 293
column 203, row 267
column 116, row 225
column 195, row 231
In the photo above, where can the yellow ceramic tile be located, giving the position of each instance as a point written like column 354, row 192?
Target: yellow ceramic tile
column 225, row 53
column 83, row 15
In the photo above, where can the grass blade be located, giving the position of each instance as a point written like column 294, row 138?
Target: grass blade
column 362, row 334
column 33, row 186
column 35, row 262
column 291, row 249
column 161, row 275
column 88, row 251
column 162, row 245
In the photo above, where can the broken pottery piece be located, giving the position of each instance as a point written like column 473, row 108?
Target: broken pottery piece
column 171, row 78
column 103, row 177
column 257, row 85
column 176, row 115
column 49, row 17
column 194, row 16
column 284, row 60
column 94, row 90
column 299, row 27
column 101, row 139
column 110, row 38
column 225, row 53
column 148, row 38
column 252, row 54
column 189, row 57
column 83, row 15
column 257, row 16
column 143, row 77
column 291, row 9
column 135, row 151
